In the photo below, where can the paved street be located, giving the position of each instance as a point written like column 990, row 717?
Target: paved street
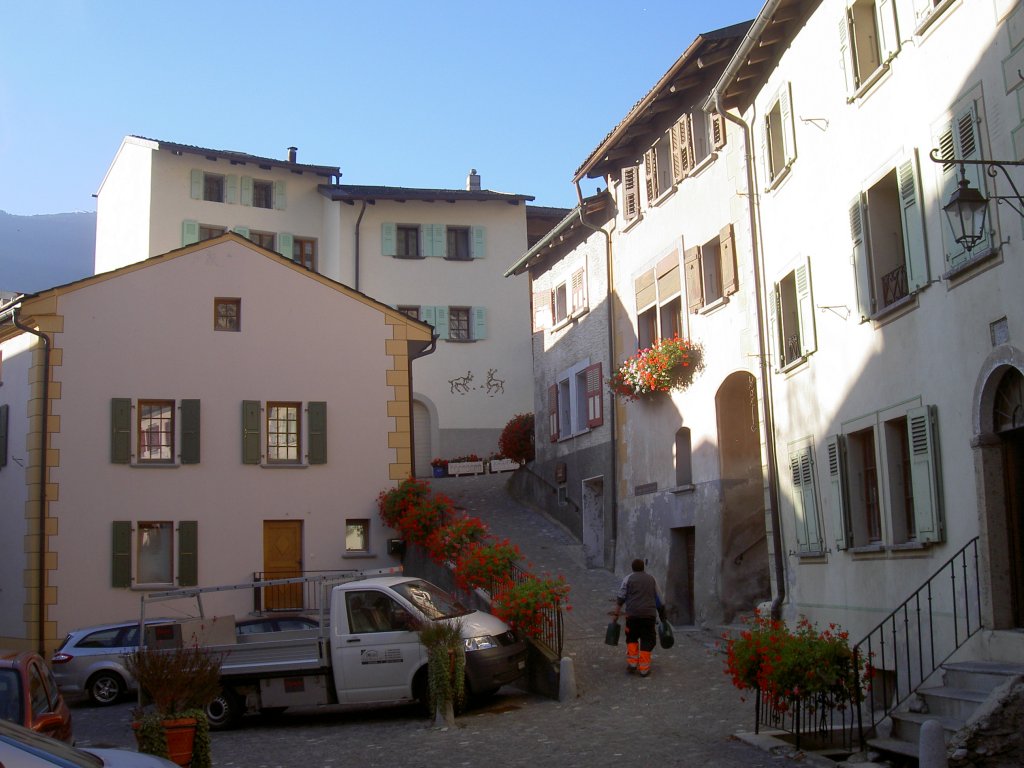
column 684, row 714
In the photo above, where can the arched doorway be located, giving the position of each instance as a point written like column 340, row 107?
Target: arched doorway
column 1008, row 425
column 745, row 578
column 421, row 432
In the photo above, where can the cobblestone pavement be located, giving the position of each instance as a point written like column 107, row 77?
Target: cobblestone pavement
column 684, row 714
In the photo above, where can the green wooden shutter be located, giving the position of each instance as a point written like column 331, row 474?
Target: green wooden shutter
column 888, row 38
column 121, row 554
column 280, row 200
column 4, row 421
column 922, row 428
column 231, row 188
column 805, row 506
column 120, row 430
column 429, row 316
column 188, row 553
column 189, row 431
column 858, row 237
column 805, row 309
column 694, row 282
column 441, row 314
column 433, row 239
column 727, row 256
column 317, row 419
column 912, row 213
column 250, row 431
column 197, row 184
column 246, row 190
column 477, row 242
column 243, row 231
column 426, row 238
column 478, row 323
column 189, row 232
column 286, row 245
column 835, row 448
column 959, row 138
column 388, row 239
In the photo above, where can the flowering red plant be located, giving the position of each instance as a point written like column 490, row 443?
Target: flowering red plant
column 447, row 542
column 420, row 520
column 516, row 441
column 481, row 565
column 529, row 605
column 668, row 364
column 395, row 502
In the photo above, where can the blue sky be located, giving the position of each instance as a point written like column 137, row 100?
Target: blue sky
column 396, row 93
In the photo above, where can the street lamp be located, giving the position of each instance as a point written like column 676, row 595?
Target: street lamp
column 966, row 210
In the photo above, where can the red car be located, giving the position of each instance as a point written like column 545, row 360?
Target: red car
column 29, row 695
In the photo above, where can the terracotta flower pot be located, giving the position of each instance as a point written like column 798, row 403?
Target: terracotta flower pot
column 181, row 736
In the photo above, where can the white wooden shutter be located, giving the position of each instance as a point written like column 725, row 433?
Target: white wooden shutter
column 835, row 447
column 846, row 53
column 961, row 139
column 388, row 238
column 694, row 281
column 862, row 268
column 788, row 126
column 718, row 130
column 727, row 257
column 542, row 317
column 922, row 428
column 774, row 329
column 651, row 171
column 912, row 213
column 805, row 309
column 885, row 22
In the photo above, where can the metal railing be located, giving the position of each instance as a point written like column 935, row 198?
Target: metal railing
column 914, row 640
column 294, row 592
column 827, row 721
column 552, row 627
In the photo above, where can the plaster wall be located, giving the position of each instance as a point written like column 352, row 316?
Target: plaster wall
column 123, row 207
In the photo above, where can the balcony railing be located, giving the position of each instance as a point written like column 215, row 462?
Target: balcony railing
column 894, row 285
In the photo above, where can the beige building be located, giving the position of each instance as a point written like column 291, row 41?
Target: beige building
column 192, row 419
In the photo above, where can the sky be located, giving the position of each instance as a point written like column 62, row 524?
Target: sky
column 409, row 93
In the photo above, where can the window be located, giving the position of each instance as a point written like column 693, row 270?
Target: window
column 658, row 302
column 807, row 524
column 357, row 536
column 407, row 242
column 227, row 314
column 413, row 312
column 262, row 194
column 155, row 430
column 779, row 138
column 926, row 11
column 883, row 479
column 277, row 433
column 208, row 233
column 682, row 148
column 150, row 436
column 263, row 239
column 456, row 323
column 630, row 192
column 960, row 138
column 683, row 457
column 214, row 187
column 148, row 553
column 567, row 299
column 711, row 270
column 887, row 231
column 304, row 252
column 576, row 401
column 372, row 611
column 458, row 244
column 791, row 317
column 561, row 302
column 867, row 42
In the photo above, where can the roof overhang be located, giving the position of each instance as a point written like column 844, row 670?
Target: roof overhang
column 351, row 193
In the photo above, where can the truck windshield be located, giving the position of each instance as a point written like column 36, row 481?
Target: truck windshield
column 433, row 601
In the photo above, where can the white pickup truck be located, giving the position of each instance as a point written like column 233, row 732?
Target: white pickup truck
column 366, row 650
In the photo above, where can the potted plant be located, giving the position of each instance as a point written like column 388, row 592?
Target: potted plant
column 667, row 365
column 178, row 683
column 440, row 467
column 446, row 669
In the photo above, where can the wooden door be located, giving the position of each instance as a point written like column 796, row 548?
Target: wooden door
column 282, row 559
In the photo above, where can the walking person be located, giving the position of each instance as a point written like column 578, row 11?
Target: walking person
column 641, row 600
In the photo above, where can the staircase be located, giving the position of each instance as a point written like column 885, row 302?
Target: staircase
column 955, row 692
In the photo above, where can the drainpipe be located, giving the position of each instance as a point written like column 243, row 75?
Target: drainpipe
column 768, row 410
column 44, row 441
column 359, row 220
column 609, row 294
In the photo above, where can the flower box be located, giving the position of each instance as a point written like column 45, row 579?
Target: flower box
column 456, row 468
column 439, row 471
column 503, row 465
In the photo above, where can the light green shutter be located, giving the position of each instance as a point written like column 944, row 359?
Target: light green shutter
column 246, row 190
column 4, row 420
column 286, row 245
column 189, row 431
column 197, row 184
column 912, row 214
column 887, row 35
column 429, row 316
column 388, row 238
column 478, row 242
column 805, row 309
column 438, row 241
column 858, row 237
column 231, row 189
column 846, row 53
column 805, row 507
column 317, row 412
column 478, row 320
column 120, row 430
column 243, row 231
column 280, row 200
column 959, row 139
column 250, row 431
column 121, row 554
column 835, row 449
column 922, row 428
column 188, row 553
column 441, row 314
column 189, row 232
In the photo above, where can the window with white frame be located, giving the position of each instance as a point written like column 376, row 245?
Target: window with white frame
column 576, row 401
column 791, row 317
column 778, row 136
column 883, row 481
column 887, row 231
column 154, row 553
column 806, row 514
column 154, row 435
column 155, row 431
column 279, row 433
column 867, row 41
column 711, row 270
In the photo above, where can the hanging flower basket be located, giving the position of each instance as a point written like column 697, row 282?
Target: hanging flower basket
column 666, row 366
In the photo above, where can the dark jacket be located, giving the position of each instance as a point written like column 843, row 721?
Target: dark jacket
column 640, row 596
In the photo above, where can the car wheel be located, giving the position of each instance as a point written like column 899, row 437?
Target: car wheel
column 224, row 711
column 105, row 688
column 421, row 691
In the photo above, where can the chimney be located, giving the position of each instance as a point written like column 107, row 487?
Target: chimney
column 473, row 181
column 291, row 154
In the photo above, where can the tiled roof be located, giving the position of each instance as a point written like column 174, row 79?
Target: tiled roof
column 242, row 158
column 354, row 192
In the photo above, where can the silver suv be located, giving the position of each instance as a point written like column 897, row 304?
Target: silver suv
column 91, row 660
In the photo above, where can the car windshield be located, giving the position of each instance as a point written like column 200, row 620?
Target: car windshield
column 433, row 601
column 10, row 696
column 43, row 747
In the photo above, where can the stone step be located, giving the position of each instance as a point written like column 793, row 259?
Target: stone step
column 907, row 725
column 979, row 675
column 895, row 746
column 955, row 702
